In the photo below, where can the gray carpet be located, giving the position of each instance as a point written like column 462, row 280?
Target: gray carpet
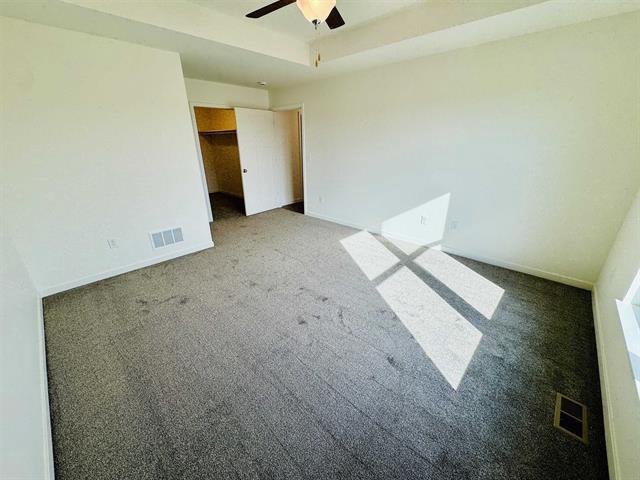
column 273, row 356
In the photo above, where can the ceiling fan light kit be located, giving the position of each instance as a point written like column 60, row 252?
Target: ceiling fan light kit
column 316, row 11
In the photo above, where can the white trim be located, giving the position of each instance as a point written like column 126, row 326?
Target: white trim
column 341, row 222
column 537, row 272
column 120, row 270
column 609, row 431
column 303, row 148
column 631, row 334
column 47, row 454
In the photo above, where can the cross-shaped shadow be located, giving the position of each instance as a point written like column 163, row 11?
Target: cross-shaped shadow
column 408, row 260
column 443, row 303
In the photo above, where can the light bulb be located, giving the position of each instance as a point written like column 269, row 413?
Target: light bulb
column 316, row 9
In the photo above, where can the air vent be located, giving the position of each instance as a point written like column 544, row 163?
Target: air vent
column 166, row 237
column 571, row 417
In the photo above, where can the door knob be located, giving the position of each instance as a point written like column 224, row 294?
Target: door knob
column 244, row 170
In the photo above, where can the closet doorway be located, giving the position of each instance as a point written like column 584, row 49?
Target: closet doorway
column 251, row 160
column 219, row 151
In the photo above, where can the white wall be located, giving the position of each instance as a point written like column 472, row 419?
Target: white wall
column 97, row 144
column 534, row 140
column 620, row 398
column 25, row 438
column 225, row 95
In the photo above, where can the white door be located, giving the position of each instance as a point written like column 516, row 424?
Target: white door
column 256, row 140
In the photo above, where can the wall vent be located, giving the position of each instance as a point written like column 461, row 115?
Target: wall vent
column 571, row 417
column 166, row 237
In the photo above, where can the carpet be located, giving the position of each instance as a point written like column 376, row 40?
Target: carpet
column 301, row 349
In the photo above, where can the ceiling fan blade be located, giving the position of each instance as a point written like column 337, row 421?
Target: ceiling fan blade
column 272, row 7
column 334, row 20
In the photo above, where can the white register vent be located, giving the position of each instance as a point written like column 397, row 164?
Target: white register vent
column 166, row 237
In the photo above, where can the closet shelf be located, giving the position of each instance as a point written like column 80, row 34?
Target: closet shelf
column 218, row 132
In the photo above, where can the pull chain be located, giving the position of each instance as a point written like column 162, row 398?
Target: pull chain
column 318, row 58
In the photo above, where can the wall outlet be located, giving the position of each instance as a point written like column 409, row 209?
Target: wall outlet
column 453, row 224
column 320, row 199
column 423, row 220
column 113, row 243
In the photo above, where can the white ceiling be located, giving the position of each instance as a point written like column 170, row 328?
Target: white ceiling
column 217, row 43
column 289, row 20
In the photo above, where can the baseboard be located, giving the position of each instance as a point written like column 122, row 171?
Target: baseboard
column 536, row 272
column 340, row 222
column 45, row 292
column 609, row 431
column 47, row 454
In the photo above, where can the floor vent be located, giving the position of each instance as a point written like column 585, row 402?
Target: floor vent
column 571, row 417
column 166, row 237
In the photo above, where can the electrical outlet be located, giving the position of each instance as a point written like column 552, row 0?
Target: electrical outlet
column 113, row 243
column 453, row 224
column 320, row 199
column 423, row 220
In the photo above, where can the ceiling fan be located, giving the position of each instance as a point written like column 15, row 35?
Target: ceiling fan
column 316, row 11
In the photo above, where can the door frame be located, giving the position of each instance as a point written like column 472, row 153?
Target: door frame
column 303, row 145
column 196, row 138
column 203, row 175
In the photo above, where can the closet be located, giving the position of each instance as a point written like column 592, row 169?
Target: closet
column 217, row 136
column 252, row 159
